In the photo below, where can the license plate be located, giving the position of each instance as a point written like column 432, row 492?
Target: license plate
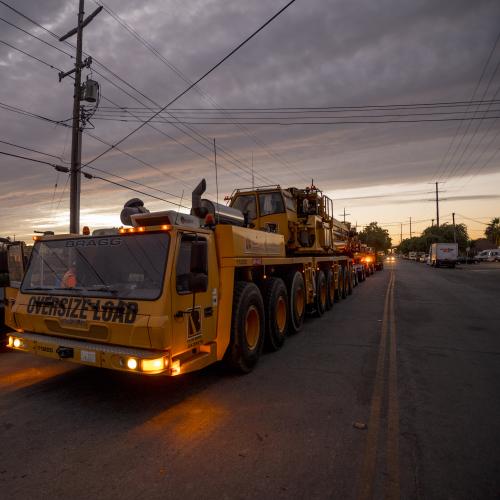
column 87, row 356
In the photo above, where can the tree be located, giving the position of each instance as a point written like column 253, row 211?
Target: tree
column 434, row 234
column 444, row 234
column 376, row 237
column 492, row 231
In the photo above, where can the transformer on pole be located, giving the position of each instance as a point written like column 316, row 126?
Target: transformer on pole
column 90, row 93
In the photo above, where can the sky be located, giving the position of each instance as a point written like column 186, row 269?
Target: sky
column 317, row 54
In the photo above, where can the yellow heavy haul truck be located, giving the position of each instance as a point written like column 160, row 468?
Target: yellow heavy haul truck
column 13, row 259
column 170, row 293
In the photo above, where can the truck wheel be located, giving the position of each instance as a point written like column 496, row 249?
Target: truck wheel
column 297, row 301
column 339, row 292
column 321, row 294
column 345, row 290
column 276, row 311
column 247, row 327
column 330, row 289
column 350, row 280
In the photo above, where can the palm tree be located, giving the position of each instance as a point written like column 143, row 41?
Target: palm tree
column 492, row 231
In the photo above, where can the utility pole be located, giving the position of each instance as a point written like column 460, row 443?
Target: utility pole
column 432, row 223
column 410, row 227
column 344, row 214
column 401, row 237
column 454, row 229
column 437, row 204
column 76, row 138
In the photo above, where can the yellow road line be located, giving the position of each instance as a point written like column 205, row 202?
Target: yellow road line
column 392, row 485
column 370, row 456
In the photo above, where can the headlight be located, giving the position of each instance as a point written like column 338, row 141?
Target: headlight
column 132, row 363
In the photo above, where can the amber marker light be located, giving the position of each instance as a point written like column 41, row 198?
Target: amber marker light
column 166, row 227
column 153, row 365
column 11, row 341
column 176, row 367
column 140, row 229
column 122, row 230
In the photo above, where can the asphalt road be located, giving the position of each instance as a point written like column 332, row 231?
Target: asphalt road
column 394, row 393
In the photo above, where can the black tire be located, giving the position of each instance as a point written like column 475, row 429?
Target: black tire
column 359, row 274
column 363, row 274
column 345, row 291
column 330, row 289
column 247, row 328
column 276, row 312
column 321, row 294
column 339, row 292
column 350, row 280
column 296, row 301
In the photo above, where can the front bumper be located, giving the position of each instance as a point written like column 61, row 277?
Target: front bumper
column 148, row 362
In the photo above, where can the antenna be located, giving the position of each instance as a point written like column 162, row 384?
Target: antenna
column 216, row 180
column 253, row 180
column 179, row 207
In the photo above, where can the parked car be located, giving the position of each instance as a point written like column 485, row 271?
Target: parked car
column 483, row 256
column 423, row 257
column 494, row 255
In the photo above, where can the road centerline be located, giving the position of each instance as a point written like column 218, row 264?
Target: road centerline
column 370, row 456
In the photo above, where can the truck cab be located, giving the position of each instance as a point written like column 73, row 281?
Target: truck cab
column 303, row 216
column 145, row 292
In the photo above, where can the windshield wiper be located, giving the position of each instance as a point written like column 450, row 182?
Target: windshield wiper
column 101, row 288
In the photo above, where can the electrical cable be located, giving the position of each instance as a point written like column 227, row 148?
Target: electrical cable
column 438, row 174
column 59, row 168
column 204, row 94
column 32, row 150
column 185, row 91
column 285, row 124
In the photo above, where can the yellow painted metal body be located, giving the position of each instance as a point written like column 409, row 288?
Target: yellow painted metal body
column 165, row 335
column 303, row 216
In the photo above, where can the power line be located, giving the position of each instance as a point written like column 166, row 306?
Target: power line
column 37, row 37
column 110, row 114
column 31, row 150
column 483, row 72
column 120, row 88
column 91, row 176
column 59, row 168
column 287, row 124
column 323, row 109
column 479, row 123
column 213, row 68
column 204, row 94
column 23, row 112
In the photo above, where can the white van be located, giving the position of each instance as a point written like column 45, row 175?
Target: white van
column 491, row 255
column 494, row 255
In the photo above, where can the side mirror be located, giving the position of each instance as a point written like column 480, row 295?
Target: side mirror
column 198, row 282
column 199, row 257
column 198, row 275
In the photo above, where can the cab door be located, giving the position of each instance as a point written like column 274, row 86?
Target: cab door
column 194, row 292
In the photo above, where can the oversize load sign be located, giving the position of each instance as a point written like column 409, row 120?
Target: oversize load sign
column 83, row 309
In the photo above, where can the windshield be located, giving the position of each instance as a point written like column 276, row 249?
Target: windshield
column 271, row 203
column 118, row 266
column 246, row 204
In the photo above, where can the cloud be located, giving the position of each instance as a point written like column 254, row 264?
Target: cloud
column 318, row 53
